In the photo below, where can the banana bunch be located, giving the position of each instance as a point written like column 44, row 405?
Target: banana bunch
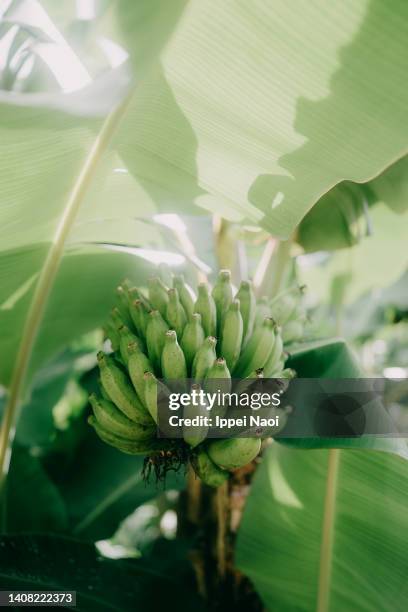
column 172, row 334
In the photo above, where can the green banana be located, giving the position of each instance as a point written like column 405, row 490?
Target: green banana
column 140, row 317
column 155, row 334
column 186, row 294
column 278, row 369
column 102, row 390
column 285, row 306
column 205, row 306
column 262, row 310
column 204, row 358
column 126, row 445
column 256, row 353
column 138, row 364
column 222, row 294
column 123, row 306
column 292, row 331
column 155, row 392
column 173, row 362
column 175, row 313
column 158, row 295
column 232, row 453
column 275, row 356
column 244, row 384
column 137, row 294
column 207, row 470
column 113, row 420
column 219, row 369
column 231, row 336
column 126, row 337
column 120, row 391
column 112, row 334
column 192, row 339
column 247, row 305
column 116, row 318
column 218, row 379
column 166, row 274
column 250, row 345
column 194, row 435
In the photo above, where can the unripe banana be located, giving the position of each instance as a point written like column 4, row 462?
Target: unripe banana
column 103, row 392
column 275, row 356
column 144, row 348
column 245, row 384
column 116, row 318
column 175, row 313
column 218, row 380
column 136, row 294
column 166, row 274
column 232, row 453
column 173, row 362
column 194, row 435
column 222, row 294
column 256, row 353
column 292, row 331
column 288, row 373
column 284, row 376
column 247, row 305
column 123, row 306
column 120, row 391
column 231, row 336
column 204, row 359
column 155, row 334
column 299, row 313
column 155, row 392
column 112, row 334
column 284, row 306
column 126, row 337
column 140, row 317
column 207, row 470
column 205, row 306
column 278, row 369
column 113, row 420
column 138, row 364
column 186, row 295
column 130, row 447
column 219, row 369
column 158, row 295
column 263, row 310
column 192, row 339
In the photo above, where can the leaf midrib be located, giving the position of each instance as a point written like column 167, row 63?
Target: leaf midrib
column 326, row 547
column 106, row 502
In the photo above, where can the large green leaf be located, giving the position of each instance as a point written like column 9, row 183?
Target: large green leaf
column 327, row 531
column 48, row 163
column 50, row 563
column 275, row 133
column 102, row 486
column 34, row 503
column 369, row 313
column 374, row 263
column 259, row 135
column 79, row 302
column 342, row 217
column 333, row 359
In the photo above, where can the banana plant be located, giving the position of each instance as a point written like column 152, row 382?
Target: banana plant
column 205, row 110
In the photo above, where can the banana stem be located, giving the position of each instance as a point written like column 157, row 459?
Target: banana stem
column 229, row 249
column 263, row 265
column 221, row 501
column 43, row 288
